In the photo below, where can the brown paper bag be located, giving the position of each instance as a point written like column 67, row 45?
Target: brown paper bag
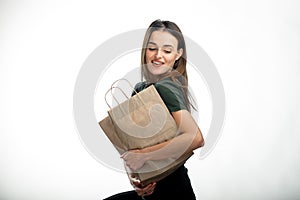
column 141, row 121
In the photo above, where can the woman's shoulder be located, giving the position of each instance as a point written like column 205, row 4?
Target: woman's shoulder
column 168, row 84
column 171, row 93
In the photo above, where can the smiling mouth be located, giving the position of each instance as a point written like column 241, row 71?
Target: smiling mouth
column 157, row 63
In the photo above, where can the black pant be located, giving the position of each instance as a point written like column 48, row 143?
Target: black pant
column 176, row 186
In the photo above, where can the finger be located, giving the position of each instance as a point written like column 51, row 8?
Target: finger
column 136, row 183
column 148, row 189
column 149, row 192
column 144, row 189
column 145, row 193
column 153, row 185
column 141, row 191
column 152, row 188
column 124, row 154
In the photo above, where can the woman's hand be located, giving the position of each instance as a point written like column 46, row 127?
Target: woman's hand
column 135, row 159
column 145, row 191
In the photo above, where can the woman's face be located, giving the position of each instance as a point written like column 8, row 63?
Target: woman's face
column 161, row 52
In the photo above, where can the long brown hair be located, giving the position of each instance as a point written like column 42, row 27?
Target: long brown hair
column 179, row 72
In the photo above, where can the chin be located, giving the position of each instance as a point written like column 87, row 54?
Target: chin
column 157, row 72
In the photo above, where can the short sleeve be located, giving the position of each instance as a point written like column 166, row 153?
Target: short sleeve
column 139, row 87
column 172, row 94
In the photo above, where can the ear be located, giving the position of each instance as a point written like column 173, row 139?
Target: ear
column 179, row 53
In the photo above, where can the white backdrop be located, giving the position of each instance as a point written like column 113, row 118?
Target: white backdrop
column 255, row 46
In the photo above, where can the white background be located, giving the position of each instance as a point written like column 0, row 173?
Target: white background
column 255, row 46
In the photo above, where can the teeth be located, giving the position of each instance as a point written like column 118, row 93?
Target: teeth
column 157, row 63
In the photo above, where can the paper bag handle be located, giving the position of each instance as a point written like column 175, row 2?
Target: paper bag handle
column 112, row 87
column 124, row 79
column 110, row 90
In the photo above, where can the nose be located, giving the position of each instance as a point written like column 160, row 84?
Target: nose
column 158, row 53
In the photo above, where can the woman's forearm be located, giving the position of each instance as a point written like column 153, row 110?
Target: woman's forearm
column 190, row 139
column 176, row 147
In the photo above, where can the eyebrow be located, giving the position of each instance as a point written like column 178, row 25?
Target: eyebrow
column 166, row 45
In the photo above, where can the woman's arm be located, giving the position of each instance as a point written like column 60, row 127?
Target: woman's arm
column 190, row 139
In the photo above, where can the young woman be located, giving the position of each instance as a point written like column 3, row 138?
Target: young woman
column 163, row 63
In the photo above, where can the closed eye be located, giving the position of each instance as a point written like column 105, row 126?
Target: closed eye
column 152, row 49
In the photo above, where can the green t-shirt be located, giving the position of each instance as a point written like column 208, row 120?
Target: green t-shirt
column 170, row 92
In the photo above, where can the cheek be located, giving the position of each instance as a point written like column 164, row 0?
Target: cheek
column 171, row 58
column 149, row 53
